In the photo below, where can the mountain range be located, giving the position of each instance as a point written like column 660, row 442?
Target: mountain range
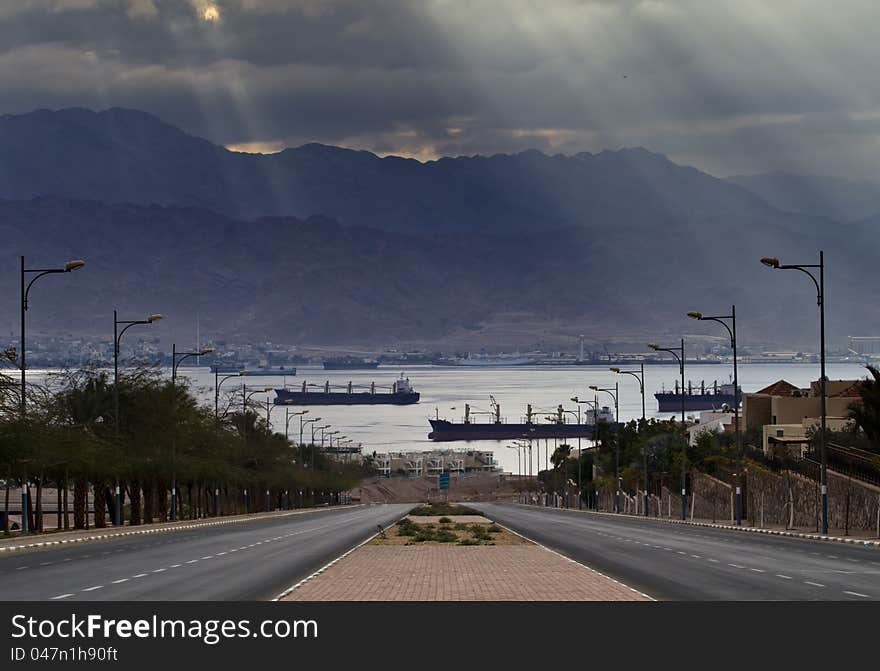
column 321, row 244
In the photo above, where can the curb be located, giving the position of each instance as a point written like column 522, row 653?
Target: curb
column 156, row 530
column 729, row 527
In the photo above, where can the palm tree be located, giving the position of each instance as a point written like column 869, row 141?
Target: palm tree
column 866, row 414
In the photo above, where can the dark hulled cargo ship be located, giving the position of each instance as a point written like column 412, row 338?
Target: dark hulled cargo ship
column 401, row 393
column 702, row 398
column 444, row 430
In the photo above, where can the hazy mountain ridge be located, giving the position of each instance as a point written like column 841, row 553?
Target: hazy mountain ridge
column 390, row 250
column 121, row 155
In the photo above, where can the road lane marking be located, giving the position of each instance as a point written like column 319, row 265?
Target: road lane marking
column 92, row 589
column 192, row 561
column 714, row 561
column 756, row 570
column 814, row 584
column 696, row 556
column 116, row 582
column 21, row 568
column 864, row 596
column 140, row 575
column 208, row 557
column 61, row 596
column 736, row 566
column 159, row 570
column 784, row 577
column 175, row 566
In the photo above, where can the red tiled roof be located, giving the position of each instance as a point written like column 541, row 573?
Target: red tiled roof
column 851, row 391
column 779, row 388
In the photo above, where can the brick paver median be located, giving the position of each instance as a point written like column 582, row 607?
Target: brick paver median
column 455, row 573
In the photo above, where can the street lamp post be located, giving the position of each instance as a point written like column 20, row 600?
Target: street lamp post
column 615, row 394
column 269, row 407
column 117, row 338
column 518, row 459
column 595, row 406
column 176, row 359
column 245, row 397
column 731, row 330
column 287, row 417
column 218, row 382
column 315, row 428
column 773, row 262
column 678, row 353
column 25, row 290
column 640, row 376
column 578, row 415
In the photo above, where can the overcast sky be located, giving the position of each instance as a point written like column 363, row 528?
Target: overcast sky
column 730, row 87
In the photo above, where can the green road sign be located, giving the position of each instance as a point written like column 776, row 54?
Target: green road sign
column 444, row 480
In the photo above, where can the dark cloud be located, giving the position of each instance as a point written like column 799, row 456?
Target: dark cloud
column 730, row 87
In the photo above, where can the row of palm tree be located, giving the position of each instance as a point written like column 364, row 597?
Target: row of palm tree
column 70, row 440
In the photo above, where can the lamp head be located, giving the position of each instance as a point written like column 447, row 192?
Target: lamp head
column 574, row 399
column 73, row 265
column 653, row 346
column 614, row 369
column 594, row 387
column 267, row 388
column 154, row 318
column 695, row 315
column 770, row 261
column 243, row 372
column 206, row 350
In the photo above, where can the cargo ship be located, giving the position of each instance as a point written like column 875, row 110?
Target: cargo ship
column 702, row 398
column 350, row 363
column 444, row 430
column 401, row 393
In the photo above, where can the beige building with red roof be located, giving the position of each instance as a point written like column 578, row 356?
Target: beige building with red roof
column 787, row 414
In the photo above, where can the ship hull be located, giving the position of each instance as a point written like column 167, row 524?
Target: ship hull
column 443, row 430
column 671, row 402
column 287, row 397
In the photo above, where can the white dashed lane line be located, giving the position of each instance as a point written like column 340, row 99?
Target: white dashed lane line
column 784, row 577
column 61, row 596
column 207, row 557
column 864, row 596
column 814, row 584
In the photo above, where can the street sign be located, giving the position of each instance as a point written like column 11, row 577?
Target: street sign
column 444, row 480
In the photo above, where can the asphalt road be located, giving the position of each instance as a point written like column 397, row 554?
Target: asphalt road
column 252, row 560
column 679, row 562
